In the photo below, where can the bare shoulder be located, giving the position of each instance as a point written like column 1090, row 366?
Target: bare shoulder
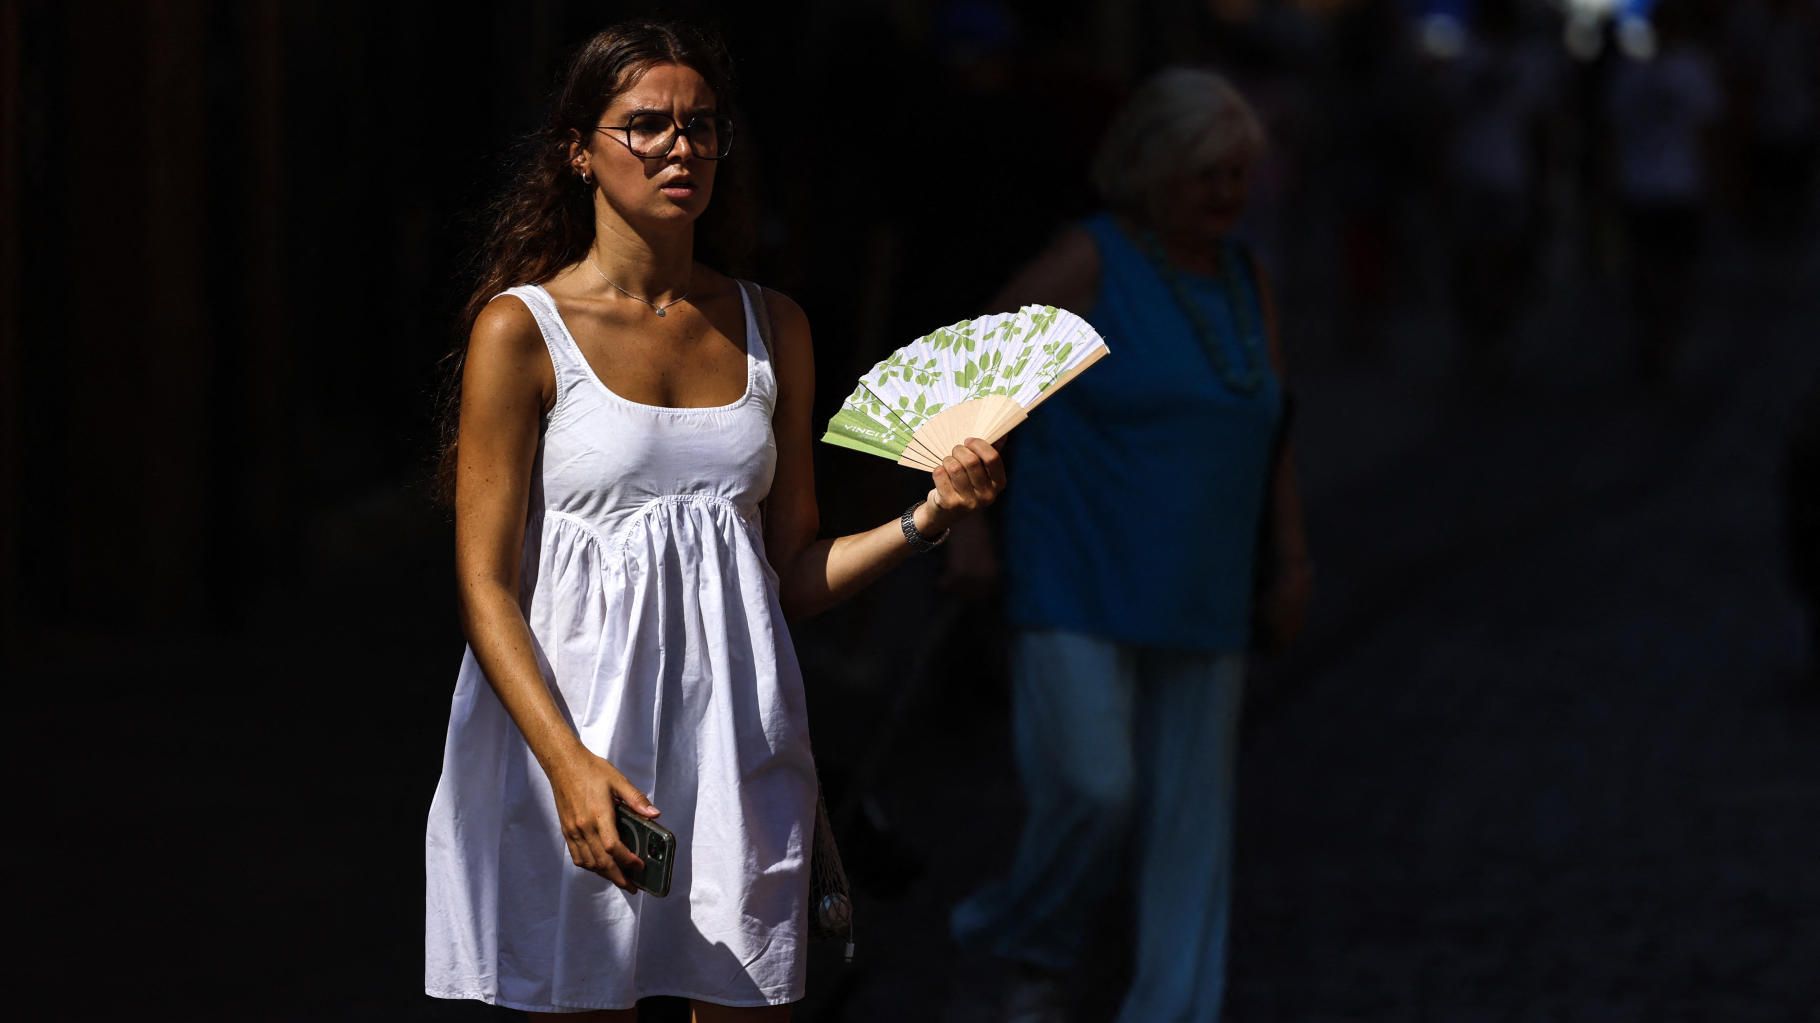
column 792, row 357
column 786, row 314
column 789, row 326
column 1066, row 274
column 1073, row 251
column 506, row 352
column 789, row 332
column 505, row 328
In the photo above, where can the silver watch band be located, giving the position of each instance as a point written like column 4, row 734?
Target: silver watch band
column 914, row 537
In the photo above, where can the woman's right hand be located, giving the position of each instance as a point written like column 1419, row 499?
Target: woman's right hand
column 586, row 788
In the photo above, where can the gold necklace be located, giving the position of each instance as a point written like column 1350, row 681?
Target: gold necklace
column 658, row 309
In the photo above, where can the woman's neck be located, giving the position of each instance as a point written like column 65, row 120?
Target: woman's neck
column 653, row 266
column 1194, row 253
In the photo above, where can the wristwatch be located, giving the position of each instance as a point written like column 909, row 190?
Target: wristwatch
column 917, row 541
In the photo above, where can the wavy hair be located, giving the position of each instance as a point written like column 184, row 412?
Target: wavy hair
column 544, row 220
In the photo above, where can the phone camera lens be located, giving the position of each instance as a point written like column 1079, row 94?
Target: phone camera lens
column 657, row 850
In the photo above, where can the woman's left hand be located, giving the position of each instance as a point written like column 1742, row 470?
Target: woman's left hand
column 970, row 478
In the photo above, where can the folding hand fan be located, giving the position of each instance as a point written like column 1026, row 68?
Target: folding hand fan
column 977, row 378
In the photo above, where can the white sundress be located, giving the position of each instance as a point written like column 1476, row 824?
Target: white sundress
column 657, row 625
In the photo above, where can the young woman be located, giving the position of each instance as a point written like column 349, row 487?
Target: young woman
column 635, row 520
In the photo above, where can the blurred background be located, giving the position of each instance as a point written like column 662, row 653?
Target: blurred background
column 1548, row 750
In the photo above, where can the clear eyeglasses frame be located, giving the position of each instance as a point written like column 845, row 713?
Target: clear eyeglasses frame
column 651, row 136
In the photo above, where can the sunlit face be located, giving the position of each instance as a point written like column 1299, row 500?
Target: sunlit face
column 1206, row 200
column 673, row 187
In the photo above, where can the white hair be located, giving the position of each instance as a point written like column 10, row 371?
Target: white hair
column 1180, row 119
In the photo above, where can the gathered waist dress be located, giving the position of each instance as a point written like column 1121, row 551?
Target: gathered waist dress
column 657, row 625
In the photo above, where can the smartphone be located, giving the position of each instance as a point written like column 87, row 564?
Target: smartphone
column 651, row 842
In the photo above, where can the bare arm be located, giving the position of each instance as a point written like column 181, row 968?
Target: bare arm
column 1289, row 570
column 814, row 574
column 1066, row 274
column 507, row 383
column 1285, row 495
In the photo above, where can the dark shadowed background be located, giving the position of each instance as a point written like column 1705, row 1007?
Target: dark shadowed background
column 1549, row 749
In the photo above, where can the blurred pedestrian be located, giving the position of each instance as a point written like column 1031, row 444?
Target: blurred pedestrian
column 625, row 412
column 1498, row 87
column 1660, row 106
column 1134, row 566
column 1374, row 126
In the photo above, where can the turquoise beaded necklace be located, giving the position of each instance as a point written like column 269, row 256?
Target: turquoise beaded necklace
column 1246, row 381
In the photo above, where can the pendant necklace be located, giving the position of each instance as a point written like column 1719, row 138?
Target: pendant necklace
column 1244, row 381
column 658, row 309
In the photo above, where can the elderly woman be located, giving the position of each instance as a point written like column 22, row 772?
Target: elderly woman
column 1134, row 560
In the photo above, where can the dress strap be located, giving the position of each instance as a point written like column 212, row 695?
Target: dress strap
column 759, row 364
column 571, row 368
column 760, row 319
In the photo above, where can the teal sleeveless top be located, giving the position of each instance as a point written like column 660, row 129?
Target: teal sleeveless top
column 1137, row 490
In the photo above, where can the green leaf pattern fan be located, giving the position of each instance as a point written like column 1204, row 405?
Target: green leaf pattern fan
column 976, row 378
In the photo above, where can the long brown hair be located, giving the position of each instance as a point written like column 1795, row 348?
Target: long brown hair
column 544, row 220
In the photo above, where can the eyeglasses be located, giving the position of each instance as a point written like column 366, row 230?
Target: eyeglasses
column 651, row 136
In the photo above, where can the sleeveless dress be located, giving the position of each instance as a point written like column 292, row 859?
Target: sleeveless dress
column 657, row 625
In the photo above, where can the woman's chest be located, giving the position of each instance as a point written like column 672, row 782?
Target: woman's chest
column 605, row 456
column 684, row 373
